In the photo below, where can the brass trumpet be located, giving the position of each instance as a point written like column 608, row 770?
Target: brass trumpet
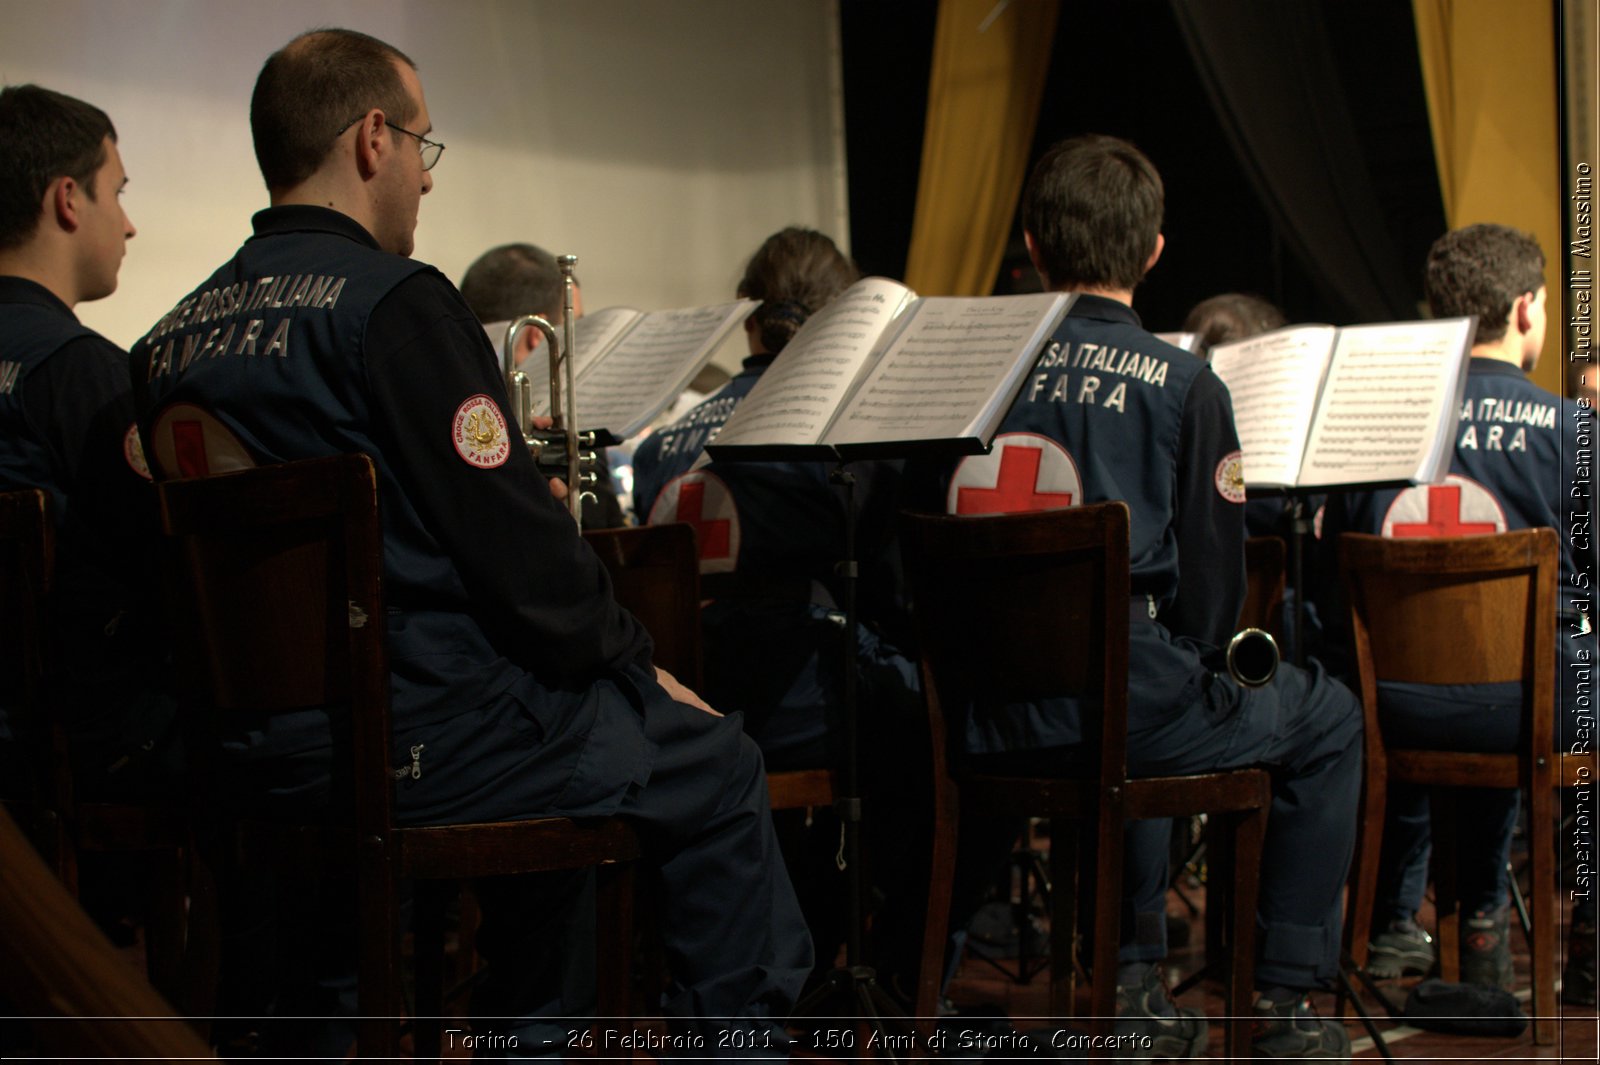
column 561, row 451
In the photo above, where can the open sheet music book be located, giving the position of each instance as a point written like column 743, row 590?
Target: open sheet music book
column 1319, row 407
column 631, row 364
column 881, row 373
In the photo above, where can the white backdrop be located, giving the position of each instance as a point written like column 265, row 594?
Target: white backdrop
column 658, row 140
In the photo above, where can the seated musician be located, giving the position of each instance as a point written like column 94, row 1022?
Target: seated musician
column 519, row 688
column 770, row 535
column 1164, row 442
column 1512, row 465
column 512, row 280
column 66, row 426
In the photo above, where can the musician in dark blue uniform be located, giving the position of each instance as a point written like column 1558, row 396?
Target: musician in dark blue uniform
column 1110, row 412
column 770, row 537
column 519, row 687
column 1517, row 449
column 66, row 426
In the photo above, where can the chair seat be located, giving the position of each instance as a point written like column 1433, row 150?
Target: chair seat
column 796, row 789
column 1236, row 790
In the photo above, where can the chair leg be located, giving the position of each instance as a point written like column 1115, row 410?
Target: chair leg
column 1249, row 831
column 936, row 920
column 1107, row 919
column 432, row 899
column 1063, row 916
column 1542, row 955
column 1446, row 898
column 613, row 939
column 1363, row 882
column 378, row 994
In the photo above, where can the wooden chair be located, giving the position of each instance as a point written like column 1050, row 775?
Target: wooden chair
column 281, row 587
column 1465, row 610
column 54, row 963
column 1027, row 606
column 61, row 826
column 655, row 573
column 27, row 546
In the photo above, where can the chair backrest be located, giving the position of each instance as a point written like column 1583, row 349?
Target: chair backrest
column 1463, row 610
column 279, row 601
column 1022, row 607
column 655, row 574
column 1264, row 583
column 27, row 549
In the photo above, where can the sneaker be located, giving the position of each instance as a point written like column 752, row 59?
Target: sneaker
column 1577, row 978
column 1151, row 1027
column 1486, row 950
column 1402, row 949
column 1290, row 1028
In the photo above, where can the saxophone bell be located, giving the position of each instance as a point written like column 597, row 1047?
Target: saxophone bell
column 1252, row 657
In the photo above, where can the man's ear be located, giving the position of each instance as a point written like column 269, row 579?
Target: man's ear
column 373, row 142
column 1522, row 313
column 61, row 202
column 1161, row 244
column 1035, row 259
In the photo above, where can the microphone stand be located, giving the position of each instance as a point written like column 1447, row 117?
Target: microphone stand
column 853, row 989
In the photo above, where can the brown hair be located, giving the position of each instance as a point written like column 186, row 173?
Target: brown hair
column 314, row 87
column 1231, row 316
column 794, row 274
column 1093, row 205
column 44, row 135
column 1481, row 270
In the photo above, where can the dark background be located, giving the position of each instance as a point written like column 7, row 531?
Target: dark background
column 1126, row 69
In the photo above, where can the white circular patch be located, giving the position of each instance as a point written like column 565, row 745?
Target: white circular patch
column 703, row 500
column 1022, row 472
column 1458, row 507
column 133, row 452
column 190, row 442
column 1230, row 477
column 479, row 433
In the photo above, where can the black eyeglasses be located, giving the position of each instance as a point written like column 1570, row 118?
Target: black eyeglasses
column 430, row 150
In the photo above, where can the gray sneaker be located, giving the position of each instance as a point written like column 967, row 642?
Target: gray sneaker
column 1402, row 949
column 1292, row 1029
column 1486, row 950
column 1152, row 1027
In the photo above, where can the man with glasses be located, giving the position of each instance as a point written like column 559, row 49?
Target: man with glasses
column 519, row 687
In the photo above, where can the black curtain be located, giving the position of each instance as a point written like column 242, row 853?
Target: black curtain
column 1269, row 69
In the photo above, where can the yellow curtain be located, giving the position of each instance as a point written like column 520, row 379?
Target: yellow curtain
column 983, row 100
column 1489, row 71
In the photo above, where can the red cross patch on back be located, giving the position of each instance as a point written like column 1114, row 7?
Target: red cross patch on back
column 1458, row 507
column 702, row 499
column 1022, row 472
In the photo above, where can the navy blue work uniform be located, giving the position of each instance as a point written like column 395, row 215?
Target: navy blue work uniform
column 519, row 687
column 1517, row 449
column 1110, row 412
column 67, row 426
column 770, row 535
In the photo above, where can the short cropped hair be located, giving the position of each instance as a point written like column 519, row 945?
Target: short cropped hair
column 318, row 82
column 1481, row 270
column 1229, row 317
column 512, row 280
column 44, row 135
column 794, row 274
column 1093, row 205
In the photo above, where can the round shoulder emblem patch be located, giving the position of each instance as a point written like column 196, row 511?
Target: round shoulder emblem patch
column 1230, row 477
column 1022, row 472
column 133, row 452
column 479, row 433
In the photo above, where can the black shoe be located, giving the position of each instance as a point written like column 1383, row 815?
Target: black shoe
column 1290, row 1028
column 1402, row 949
column 1486, row 950
column 1577, row 978
column 1151, row 1027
